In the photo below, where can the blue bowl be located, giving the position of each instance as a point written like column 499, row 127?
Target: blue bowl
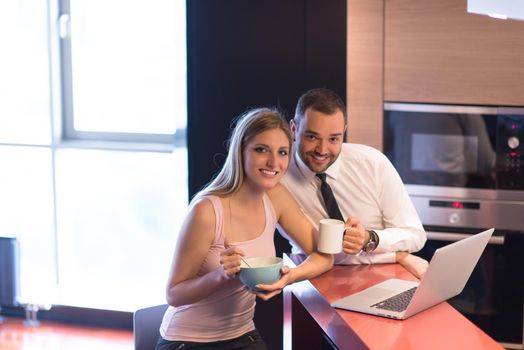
column 262, row 270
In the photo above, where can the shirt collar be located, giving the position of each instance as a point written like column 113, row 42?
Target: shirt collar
column 332, row 171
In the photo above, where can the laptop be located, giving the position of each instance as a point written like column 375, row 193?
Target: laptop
column 446, row 276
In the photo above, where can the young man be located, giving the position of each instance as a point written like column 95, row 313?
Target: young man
column 383, row 224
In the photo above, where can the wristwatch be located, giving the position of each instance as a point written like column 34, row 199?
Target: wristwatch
column 372, row 244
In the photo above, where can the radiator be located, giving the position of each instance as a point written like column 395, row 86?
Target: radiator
column 9, row 271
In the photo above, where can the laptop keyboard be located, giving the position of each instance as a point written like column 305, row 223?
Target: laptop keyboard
column 397, row 302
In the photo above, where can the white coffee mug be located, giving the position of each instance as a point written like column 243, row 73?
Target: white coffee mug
column 331, row 235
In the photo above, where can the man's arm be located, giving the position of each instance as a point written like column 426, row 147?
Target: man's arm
column 402, row 231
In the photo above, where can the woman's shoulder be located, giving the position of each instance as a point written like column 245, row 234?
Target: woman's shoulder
column 199, row 222
column 203, row 209
column 279, row 196
column 278, row 190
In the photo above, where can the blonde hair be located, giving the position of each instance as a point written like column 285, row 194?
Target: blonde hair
column 248, row 125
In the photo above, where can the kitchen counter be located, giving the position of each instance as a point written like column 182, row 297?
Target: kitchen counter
column 311, row 323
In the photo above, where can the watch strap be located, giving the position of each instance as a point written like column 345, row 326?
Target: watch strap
column 372, row 244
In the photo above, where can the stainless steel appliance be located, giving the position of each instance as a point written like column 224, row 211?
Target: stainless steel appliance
column 463, row 167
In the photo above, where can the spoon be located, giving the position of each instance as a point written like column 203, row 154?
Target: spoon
column 245, row 262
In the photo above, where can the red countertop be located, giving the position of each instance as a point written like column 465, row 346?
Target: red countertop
column 439, row 327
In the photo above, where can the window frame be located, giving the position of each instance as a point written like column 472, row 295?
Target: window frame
column 63, row 136
column 69, row 136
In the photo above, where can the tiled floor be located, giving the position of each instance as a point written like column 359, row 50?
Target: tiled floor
column 14, row 335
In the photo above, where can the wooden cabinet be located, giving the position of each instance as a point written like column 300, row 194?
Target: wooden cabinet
column 365, row 78
column 435, row 51
column 427, row 51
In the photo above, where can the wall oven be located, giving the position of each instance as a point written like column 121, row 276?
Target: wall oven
column 463, row 167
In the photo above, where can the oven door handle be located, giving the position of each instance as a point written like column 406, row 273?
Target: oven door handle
column 453, row 237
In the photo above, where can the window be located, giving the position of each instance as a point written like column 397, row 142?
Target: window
column 92, row 142
column 26, row 207
column 128, row 56
column 24, row 68
column 116, row 222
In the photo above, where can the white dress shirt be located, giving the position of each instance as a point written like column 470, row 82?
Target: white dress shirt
column 366, row 187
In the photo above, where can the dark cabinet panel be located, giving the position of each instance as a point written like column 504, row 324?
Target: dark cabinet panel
column 244, row 54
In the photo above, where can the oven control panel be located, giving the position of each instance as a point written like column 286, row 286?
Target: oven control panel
column 510, row 152
column 460, row 212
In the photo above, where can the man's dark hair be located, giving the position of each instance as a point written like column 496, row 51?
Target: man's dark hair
column 322, row 100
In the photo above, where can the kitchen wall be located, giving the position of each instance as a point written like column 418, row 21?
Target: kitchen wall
column 427, row 51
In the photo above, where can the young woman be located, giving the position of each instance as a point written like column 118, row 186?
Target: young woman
column 235, row 216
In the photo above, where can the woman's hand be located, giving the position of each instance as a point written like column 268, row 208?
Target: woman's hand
column 414, row 264
column 270, row 290
column 230, row 260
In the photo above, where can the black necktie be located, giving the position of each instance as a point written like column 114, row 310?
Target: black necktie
column 329, row 198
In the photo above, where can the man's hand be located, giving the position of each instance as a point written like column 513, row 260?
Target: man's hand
column 414, row 264
column 355, row 236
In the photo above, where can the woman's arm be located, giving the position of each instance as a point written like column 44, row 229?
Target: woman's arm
column 414, row 264
column 300, row 230
column 195, row 239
